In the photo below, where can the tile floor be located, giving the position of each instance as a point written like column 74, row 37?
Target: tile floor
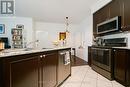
column 84, row 76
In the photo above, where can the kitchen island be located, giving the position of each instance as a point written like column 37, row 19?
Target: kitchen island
column 33, row 68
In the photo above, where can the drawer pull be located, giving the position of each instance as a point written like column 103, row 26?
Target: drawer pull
column 41, row 56
column 44, row 56
column 62, row 53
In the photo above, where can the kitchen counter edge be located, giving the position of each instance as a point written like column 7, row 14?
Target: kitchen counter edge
column 9, row 54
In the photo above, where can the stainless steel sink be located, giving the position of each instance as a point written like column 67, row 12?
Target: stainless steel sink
column 47, row 48
column 28, row 49
column 15, row 51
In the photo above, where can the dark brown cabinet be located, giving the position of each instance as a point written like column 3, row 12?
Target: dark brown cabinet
column 95, row 22
column 100, row 16
column 120, row 57
column 49, row 69
column 128, row 70
column 121, row 8
column 33, row 70
column 126, row 14
column 89, row 55
column 116, row 8
column 104, row 14
column 113, row 9
column 21, row 71
column 121, row 66
column 63, row 70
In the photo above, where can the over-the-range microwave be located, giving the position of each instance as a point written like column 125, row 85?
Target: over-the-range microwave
column 114, row 24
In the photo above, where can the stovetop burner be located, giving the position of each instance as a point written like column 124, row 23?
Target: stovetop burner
column 113, row 42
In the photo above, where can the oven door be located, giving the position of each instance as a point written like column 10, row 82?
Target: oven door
column 101, row 57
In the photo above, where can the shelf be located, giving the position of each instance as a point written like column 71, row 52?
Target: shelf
column 17, row 38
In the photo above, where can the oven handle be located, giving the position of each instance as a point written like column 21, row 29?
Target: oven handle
column 105, row 49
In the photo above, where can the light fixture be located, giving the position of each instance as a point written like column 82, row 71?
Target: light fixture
column 67, row 24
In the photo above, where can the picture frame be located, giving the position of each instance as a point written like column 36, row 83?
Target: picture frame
column 2, row 28
column 62, row 35
column 20, row 26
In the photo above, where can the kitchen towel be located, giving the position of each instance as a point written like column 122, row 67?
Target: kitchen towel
column 67, row 58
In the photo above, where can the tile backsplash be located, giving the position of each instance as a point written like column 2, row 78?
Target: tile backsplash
column 119, row 35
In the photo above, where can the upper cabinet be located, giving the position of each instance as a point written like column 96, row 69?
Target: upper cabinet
column 126, row 14
column 113, row 9
column 116, row 9
column 95, row 22
column 100, row 16
column 121, row 8
column 103, row 14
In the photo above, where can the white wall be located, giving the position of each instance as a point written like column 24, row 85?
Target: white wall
column 99, row 4
column 11, row 22
column 84, row 35
column 49, row 32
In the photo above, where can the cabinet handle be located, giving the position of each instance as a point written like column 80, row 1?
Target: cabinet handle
column 62, row 53
column 44, row 56
column 125, row 27
column 41, row 56
column 122, row 27
column 50, row 54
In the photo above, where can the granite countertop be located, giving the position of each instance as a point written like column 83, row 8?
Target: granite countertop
column 14, row 52
column 127, row 48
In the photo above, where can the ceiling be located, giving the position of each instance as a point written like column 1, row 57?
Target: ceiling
column 54, row 10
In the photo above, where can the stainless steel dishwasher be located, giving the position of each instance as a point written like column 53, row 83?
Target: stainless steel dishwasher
column 64, row 68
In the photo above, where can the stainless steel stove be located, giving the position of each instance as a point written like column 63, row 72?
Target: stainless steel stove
column 102, row 56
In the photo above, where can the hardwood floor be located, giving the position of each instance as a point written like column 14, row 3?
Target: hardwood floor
column 78, row 61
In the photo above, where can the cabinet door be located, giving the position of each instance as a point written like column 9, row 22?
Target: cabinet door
column 49, row 69
column 128, row 70
column 100, row 16
column 104, row 13
column 120, row 65
column 116, row 8
column 89, row 56
column 21, row 72
column 95, row 22
column 126, row 6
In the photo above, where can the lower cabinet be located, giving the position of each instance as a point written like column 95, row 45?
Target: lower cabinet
column 21, row 71
column 121, row 66
column 128, row 70
column 49, row 69
column 33, row 70
column 89, row 55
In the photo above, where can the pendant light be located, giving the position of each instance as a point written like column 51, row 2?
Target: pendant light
column 67, row 24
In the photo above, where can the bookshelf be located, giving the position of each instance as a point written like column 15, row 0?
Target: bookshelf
column 17, row 38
